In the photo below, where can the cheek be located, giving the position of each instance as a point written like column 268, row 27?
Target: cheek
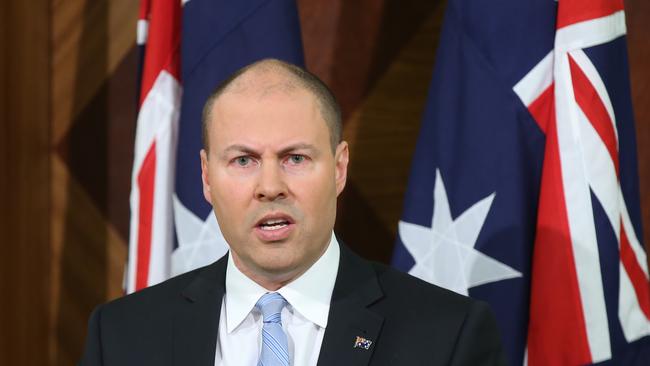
column 316, row 192
column 230, row 196
column 232, row 185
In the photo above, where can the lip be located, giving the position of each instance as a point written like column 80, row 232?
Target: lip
column 275, row 216
column 276, row 234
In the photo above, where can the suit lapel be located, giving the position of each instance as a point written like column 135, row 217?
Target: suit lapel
column 356, row 288
column 196, row 322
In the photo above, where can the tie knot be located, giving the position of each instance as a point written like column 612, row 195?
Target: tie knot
column 271, row 304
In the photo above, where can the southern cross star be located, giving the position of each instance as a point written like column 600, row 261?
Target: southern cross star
column 199, row 242
column 444, row 253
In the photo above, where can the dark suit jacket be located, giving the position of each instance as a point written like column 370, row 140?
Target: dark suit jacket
column 409, row 322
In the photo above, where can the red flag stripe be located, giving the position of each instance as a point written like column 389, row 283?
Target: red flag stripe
column 576, row 11
column 636, row 274
column 592, row 106
column 542, row 108
column 144, row 9
column 163, row 44
column 146, row 187
column 557, row 332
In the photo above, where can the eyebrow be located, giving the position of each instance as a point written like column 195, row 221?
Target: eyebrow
column 299, row 146
column 249, row 150
column 239, row 149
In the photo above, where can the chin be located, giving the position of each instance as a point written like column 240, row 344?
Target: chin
column 277, row 266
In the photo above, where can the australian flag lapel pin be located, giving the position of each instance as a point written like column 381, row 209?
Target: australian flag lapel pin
column 362, row 343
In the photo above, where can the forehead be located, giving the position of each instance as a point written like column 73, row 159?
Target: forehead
column 270, row 113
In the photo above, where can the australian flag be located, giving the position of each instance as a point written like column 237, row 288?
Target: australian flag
column 524, row 189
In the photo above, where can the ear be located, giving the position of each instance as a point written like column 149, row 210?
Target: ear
column 205, row 176
column 341, row 157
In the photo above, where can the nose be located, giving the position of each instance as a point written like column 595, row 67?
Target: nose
column 271, row 185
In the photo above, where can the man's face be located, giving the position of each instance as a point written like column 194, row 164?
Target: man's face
column 272, row 179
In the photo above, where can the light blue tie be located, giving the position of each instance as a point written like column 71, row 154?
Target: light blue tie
column 275, row 350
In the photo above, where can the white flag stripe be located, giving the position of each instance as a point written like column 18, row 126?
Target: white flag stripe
column 161, row 233
column 142, row 32
column 134, row 201
column 590, row 33
column 578, row 202
column 531, row 86
column 600, row 172
column 162, row 101
column 633, row 321
column 157, row 122
column 596, row 81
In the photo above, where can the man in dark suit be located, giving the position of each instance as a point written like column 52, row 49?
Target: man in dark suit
column 287, row 292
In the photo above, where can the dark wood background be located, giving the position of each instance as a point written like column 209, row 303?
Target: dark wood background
column 67, row 107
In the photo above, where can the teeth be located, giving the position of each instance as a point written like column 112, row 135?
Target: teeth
column 273, row 227
column 273, row 222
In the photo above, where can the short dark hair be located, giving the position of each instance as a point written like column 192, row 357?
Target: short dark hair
column 329, row 108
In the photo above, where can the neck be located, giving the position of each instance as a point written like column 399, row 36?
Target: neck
column 271, row 281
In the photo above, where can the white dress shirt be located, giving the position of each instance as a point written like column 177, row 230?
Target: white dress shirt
column 304, row 319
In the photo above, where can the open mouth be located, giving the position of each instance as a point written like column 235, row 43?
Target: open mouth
column 275, row 227
column 273, row 224
column 274, row 221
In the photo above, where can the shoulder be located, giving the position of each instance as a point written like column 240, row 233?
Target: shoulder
column 151, row 304
column 421, row 305
column 137, row 328
column 158, row 293
column 461, row 329
column 413, row 290
column 398, row 290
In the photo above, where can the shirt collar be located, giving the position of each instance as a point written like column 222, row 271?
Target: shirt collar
column 309, row 294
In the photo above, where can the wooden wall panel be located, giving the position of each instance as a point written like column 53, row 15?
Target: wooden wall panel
column 638, row 29
column 24, row 182
column 382, row 132
column 93, row 97
column 90, row 38
column 377, row 59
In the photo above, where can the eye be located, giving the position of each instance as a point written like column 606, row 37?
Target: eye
column 243, row 161
column 296, row 159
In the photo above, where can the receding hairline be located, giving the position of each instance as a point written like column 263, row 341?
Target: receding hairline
column 251, row 77
column 292, row 78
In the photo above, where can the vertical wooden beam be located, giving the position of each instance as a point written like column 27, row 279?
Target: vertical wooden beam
column 637, row 13
column 92, row 93
column 24, row 181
